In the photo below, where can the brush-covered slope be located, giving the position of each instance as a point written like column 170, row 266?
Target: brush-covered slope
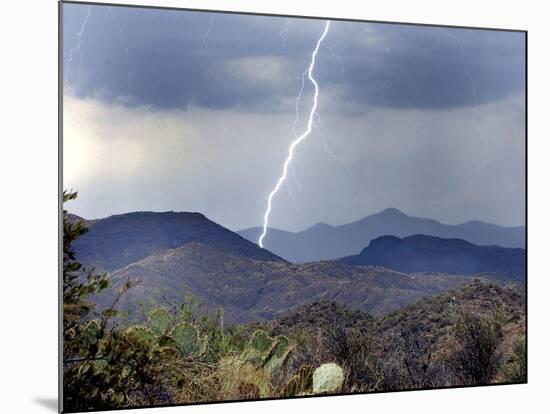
column 249, row 289
column 412, row 347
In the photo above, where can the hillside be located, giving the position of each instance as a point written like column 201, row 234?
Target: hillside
column 219, row 320
column 251, row 290
column 117, row 241
column 174, row 254
column 326, row 242
column 420, row 253
column 412, row 347
column 431, row 313
column 434, row 315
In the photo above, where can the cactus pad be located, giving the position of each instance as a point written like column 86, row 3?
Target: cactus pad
column 160, row 321
column 327, row 378
column 187, row 340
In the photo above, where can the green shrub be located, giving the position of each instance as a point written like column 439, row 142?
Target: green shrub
column 516, row 369
column 476, row 360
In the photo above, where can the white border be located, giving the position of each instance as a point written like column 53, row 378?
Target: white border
column 28, row 223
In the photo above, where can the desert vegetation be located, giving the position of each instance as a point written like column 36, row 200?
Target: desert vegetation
column 179, row 353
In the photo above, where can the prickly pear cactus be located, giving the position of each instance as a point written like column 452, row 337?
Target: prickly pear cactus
column 258, row 349
column 187, row 340
column 141, row 335
column 254, row 367
column 266, row 352
column 327, row 378
column 160, row 321
column 278, row 354
column 261, row 342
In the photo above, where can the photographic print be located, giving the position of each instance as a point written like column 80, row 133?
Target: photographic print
column 261, row 206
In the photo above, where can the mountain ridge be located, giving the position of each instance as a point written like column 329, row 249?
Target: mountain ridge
column 251, row 290
column 327, row 242
column 422, row 253
column 116, row 241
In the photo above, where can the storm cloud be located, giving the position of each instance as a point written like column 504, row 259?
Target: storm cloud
column 243, row 62
column 198, row 117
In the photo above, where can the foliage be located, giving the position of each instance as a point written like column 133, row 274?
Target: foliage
column 252, row 370
column 300, row 383
column 422, row 345
column 177, row 356
column 160, row 321
column 102, row 367
column 411, row 363
column 78, row 283
column 266, row 352
column 516, row 369
column 476, row 360
column 187, row 340
column 123, row 368
column 181, row 353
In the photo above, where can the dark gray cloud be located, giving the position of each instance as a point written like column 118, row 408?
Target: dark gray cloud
column 171, row 64
column 430, row 67
column 427, row 120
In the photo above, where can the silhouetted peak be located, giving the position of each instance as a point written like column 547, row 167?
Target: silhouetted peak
column 320, row 226
column 423, row 253
column 423, row 240
column 392, row 212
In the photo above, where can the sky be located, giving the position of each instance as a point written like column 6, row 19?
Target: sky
column 167, row 110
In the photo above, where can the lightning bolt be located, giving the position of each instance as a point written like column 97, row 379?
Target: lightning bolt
column 295, row 133
column 474, row 91
column 78, row 45
column 322, row 131
column 297, row 104
column 205, row 37
column 341, row 62
column 126, row 49
column 300, row 138
column 284, row 31
column 318, row 125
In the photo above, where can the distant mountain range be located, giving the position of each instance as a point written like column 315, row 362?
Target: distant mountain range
column 421, row 253
column 326, row 242
column 174, row 254
column 120, row 240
